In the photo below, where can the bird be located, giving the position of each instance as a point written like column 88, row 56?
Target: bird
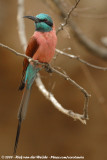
column 41, row 47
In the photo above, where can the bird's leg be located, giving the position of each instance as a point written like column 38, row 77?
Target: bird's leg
column 47, row 68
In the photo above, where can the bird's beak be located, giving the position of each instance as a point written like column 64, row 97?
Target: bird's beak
column 36, row 20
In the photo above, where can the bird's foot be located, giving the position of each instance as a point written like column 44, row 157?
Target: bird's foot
column 48, row 68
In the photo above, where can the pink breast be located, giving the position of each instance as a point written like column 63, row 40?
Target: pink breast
column 46, row 50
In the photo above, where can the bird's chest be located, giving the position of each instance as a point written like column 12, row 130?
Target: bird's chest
column 47, row 42
column 46, row 49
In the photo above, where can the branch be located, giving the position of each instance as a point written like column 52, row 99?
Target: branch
column 20, row 54
column 62, row 25
column 57, row 105
column 58, row 51
column 81, row 60
column 85, row 111
column 14, row 51
column 96, row 49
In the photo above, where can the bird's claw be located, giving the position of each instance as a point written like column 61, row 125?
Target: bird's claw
column 48, row 68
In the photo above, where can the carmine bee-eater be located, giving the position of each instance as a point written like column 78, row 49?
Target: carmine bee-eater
column 41, row 47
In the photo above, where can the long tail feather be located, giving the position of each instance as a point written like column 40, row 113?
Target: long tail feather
column 29, row 79
column 21, row 114
column 24, row 103
column 17, row 136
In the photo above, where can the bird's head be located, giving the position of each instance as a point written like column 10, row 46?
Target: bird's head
column 43, row 22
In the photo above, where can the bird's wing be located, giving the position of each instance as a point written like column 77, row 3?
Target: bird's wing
column 32, row 47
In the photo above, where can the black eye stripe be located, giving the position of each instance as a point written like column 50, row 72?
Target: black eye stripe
column 49, row 23
column 46, row 21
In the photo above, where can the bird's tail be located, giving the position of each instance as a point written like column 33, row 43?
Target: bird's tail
column 24, row 103
column 31, row 73
column 22, row 113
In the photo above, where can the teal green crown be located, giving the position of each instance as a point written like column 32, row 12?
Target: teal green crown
column 44, row 25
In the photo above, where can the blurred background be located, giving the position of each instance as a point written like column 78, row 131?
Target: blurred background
column 46, row 131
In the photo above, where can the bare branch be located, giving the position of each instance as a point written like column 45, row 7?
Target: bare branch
column 62, row 25
column 85, row 113
column 81, row 60
column 96, row 49
column 14, row 51
column 57, row 105
column 58, row 51
column 20, row 54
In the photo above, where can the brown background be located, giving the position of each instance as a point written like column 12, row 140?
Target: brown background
column 46, row 131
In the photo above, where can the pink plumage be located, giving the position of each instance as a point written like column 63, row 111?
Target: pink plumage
column 47, row 43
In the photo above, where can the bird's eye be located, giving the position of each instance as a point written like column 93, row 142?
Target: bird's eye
column 45, row 20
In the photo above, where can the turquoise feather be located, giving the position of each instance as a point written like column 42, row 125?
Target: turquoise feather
column 42, row 26
column 30, row 75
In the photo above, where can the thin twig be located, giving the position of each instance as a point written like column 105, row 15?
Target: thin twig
column 85, row 113
column 62, row 25
column 57, row 105
column 14, row 51
column 20, row 54
column 96, row 49
column 81, row 60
